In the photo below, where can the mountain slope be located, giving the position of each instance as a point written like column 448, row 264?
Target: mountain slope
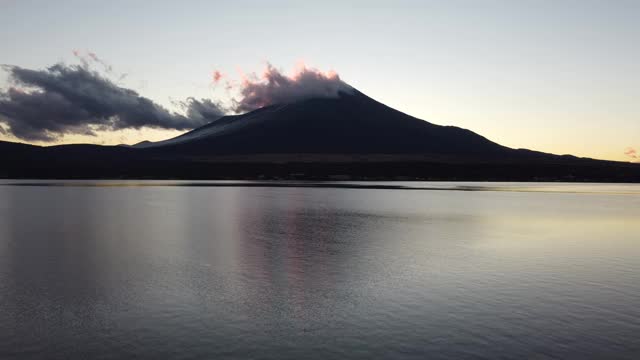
column 348, row 137
column 349, row 124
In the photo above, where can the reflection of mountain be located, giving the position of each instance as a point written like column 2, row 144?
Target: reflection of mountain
column 289, row 250
column 302, row 253
column 348, row 136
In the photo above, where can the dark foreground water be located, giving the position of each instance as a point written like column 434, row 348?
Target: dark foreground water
column 154, row 270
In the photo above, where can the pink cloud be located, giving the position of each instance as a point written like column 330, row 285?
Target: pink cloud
column 274, row 87
column 217, row 76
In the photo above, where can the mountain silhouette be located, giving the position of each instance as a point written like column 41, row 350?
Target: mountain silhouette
column 349, row 124
column 350, row 136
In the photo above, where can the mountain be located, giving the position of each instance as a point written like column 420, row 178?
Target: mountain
column 350, row 136
column 349, row 124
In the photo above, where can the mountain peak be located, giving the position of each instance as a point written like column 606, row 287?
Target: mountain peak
column 348, row 123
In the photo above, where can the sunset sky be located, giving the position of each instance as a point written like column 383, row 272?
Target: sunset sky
column 555, row 76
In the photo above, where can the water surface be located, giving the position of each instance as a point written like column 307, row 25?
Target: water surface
column 201, row 270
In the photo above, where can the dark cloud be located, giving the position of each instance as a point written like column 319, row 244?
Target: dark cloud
column 276, row 88
column 42, row 105
column 203, row 110
column 631, row 152
column 73, row 99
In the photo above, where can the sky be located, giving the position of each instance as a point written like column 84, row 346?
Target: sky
column 554, row 76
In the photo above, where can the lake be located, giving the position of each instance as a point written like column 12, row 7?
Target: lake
column 213, row 270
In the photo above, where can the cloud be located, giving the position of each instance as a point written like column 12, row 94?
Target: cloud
column 631, row 152
column 273, row 87
column 90, row 58
column 73, row 99
column 45, row 104
column 95, row 58
column 203, row 110
column 217, row 76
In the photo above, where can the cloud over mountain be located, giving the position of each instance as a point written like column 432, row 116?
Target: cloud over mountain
column 274, row 87
column 45, row 104
column 73, row 99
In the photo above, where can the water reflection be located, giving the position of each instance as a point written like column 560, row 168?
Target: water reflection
column 536, row 187
column 290, row 272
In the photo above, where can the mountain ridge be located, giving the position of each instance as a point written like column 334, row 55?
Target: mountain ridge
column 350, row 123
column 349, row 136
